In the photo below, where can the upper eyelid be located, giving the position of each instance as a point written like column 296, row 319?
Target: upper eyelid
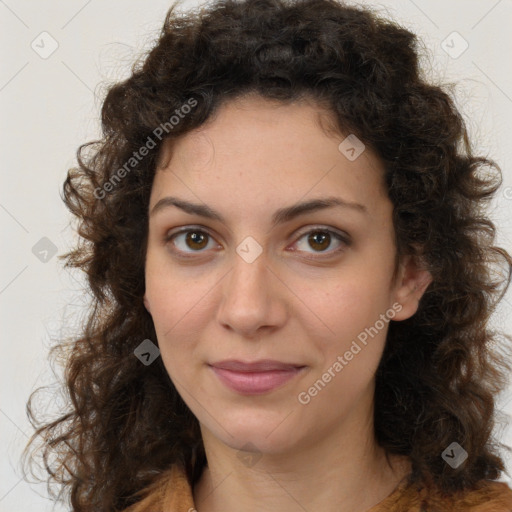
column 320, row 227
column 297, row 232
column 185, row 229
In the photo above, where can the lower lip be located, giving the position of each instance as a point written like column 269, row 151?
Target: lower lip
column 255, row 383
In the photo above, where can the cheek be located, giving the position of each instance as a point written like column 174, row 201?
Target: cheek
column 181, row 307
column 349, row 332
column 172, row 294
column 176, row 340
column 347, row 358
column 348, row 307
column 169, row 303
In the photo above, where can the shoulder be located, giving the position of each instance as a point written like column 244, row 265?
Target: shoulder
column 486, row 496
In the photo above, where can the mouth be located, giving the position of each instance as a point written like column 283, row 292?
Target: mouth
column 255, row 378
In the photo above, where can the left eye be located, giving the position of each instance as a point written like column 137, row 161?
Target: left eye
column 321, row 239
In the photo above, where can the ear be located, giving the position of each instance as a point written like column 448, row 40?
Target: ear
column 410, row 285
column 146, row 304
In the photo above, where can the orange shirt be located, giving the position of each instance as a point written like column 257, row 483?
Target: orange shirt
column 173, row 493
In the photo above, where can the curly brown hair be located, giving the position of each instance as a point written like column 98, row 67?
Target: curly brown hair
column 126, row 424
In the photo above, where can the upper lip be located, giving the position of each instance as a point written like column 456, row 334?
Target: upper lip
column 262, row 365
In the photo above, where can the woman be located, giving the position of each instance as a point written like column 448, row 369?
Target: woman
column 283, row 229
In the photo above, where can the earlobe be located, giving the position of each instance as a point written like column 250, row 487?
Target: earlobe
column 412, row 282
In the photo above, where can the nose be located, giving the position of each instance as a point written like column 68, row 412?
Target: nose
column 253, row 298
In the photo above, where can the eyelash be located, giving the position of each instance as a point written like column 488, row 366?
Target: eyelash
column 345, row 240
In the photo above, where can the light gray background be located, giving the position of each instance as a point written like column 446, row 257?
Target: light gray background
column 51, row 105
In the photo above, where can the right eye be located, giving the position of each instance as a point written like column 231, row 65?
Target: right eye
column 194, row 239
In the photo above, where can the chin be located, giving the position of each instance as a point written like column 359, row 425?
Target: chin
column 271, row 436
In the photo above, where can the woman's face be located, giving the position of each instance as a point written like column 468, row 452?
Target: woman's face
column 237, row 269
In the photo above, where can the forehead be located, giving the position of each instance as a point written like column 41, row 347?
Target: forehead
column 266, row 150
column 238, row 120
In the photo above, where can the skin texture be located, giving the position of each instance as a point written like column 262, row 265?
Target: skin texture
column 254, row 157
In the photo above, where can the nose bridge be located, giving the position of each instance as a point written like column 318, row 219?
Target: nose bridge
column 249, row 300
column 246, row 283
column 249, row 266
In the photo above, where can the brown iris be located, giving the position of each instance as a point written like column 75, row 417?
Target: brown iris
column 317, row 240
column 198, row 238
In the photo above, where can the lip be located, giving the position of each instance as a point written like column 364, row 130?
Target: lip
column 255, row 378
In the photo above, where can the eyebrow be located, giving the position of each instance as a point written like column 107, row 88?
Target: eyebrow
column 280, row 216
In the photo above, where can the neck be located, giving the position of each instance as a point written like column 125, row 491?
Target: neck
column 353, row 477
